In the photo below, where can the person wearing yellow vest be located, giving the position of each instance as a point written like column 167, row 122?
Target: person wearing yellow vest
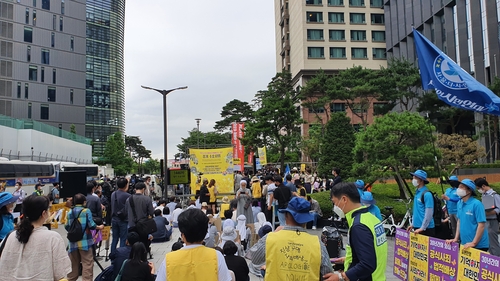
column 194, row 261
column 256, row 188
column 366, row 250
column 290, row 253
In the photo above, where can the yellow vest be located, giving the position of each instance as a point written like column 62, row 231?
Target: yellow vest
column 292, row 256
column 223, row 207
column 199, row 263
column 256, row 190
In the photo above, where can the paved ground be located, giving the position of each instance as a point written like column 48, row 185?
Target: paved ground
column 160, row 249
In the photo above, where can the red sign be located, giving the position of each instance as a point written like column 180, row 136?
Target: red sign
column 238, row 149
column 250, row 157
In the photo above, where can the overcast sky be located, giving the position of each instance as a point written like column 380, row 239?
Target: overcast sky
column 220, row 49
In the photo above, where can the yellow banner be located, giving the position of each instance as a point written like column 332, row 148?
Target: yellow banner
column 468, row 263
column 214, row 164
column 262, row 155
column 419, row 259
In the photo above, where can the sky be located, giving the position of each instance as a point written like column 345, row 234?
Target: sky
column 220, row 49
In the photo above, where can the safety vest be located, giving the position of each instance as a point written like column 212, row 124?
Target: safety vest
column 363, row 216
column 199, row 263
column 292, row 255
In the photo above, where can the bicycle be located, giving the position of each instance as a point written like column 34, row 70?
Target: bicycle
column 390, row 224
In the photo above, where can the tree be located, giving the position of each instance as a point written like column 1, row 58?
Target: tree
column 151, row 166
column 202, row 140
column 116, row 155
column 313, row 95
column 310, row 144
column 393, row 142
column 337, row 145
column 233, row 111
column 459, row 150
column 277, row 120
column 135, row 149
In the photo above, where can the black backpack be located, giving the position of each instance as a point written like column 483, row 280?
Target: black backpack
column 438, row 209
column 51, row 195
column 75, row 231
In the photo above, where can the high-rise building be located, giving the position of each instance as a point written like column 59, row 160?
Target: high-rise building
column 105, row 96
column 42, row 61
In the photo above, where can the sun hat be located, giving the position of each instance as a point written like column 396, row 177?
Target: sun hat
column 421, row 175
column 204, row 204
column 360, row 184
column 225, row 200
column 299, row 209
column 453, row 178
column 254, row 178
column 470, row 184
column 6, row 198
column 367, row 198
column 228, row 234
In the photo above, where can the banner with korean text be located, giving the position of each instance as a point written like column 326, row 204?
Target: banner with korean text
column 262, row 155
column 214, row 164
column 238, row 149
column 418, row 257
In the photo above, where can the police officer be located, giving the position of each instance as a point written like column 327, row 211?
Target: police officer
column 423, row 206
column 366, row 250
column 451, row 198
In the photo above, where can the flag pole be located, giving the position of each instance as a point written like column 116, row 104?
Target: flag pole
column 435, row 155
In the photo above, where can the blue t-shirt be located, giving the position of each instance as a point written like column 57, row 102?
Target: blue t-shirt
column 470, row 214
column 374, row 209
column 451, row 205
column 419, row 208
column 8, row 225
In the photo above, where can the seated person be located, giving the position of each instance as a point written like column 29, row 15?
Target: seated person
column 118, row 256
column 212, row 233
column 163, row 231
column 235, row 263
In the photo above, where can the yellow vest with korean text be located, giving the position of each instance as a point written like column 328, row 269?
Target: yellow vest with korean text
column 199, row 263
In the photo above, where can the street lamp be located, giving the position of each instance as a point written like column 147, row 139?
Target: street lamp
column 165, row 130
column 198, row 126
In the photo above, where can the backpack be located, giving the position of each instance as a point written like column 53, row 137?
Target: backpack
column 75, row 231
column 438, row 210
column 51, row 195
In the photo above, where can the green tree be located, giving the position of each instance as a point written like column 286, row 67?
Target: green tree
column 337, row 145
column 393, row 142
column 135, row 149
column 202, row 140
column 277, row 120
column 233, row 111
column 313, row 96
column 116, row 155
column 310, row 144
column 151, row 166
column 459, row 150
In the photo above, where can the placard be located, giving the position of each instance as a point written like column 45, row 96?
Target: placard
column 419, row 258
column 401, row 254
column 468, row 264
column 489, row 268
column 443, row 260
column 105, row 232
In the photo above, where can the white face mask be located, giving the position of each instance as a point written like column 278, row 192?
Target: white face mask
column 414, row 182
column 461, row 193
column 340, row 211
column 480, row 191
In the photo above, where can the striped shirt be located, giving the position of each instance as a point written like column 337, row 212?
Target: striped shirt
column 87, row 223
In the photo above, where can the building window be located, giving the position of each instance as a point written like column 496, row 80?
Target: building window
column 376, row 3
column 337, row 35
column 379, row 107
column 72, row 44
column 27, row 16
column 51, row 94
column 337, row 107
column 377, row 18
column 53, row 40
column 315, row 52
column 316, row 110
column 33, row 73
column 18, row 90
column 315, row 34
column 314, row 2
column 28, row 34
column 359, row 108
column 314, row 16
column 29, row 110
column 359, row 53
column 378, row 36
column 336, row 17
column 53, row 76
column 357, row 3
column 34, row 3
column 60, row 23
column 379, row 53
column 335, row 2
column 26, row 90
column 42, row 78
column 54, row 22
column 44, row 112
column 357, row 18
column 34, row 17
column 46, row 4
column 71, row 96
column 28, row 53
column 337, row 53
column 45, row 56
column 358, row 35
column 62, row 7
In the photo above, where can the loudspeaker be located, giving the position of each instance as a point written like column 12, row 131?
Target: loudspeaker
column 71, row 183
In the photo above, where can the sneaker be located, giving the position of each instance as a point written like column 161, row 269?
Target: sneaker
column 314, row 227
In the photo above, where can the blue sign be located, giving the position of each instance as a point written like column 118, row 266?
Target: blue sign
column 452, row 84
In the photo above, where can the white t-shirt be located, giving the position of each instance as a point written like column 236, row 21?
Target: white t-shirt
column 175, row 214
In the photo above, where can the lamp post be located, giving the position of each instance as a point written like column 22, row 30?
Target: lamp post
column 165, row 130
column 198, row 126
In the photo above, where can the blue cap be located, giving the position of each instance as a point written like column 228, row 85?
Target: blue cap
column 421, row 175
column 453, row 178
column 299, row 208
column 367, row 198
column 470, row 184
column 360, row 184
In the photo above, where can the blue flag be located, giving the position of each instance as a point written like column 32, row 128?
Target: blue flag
column 452, row 84
column 287, row 172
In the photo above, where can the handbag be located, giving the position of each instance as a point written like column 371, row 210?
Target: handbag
column 119, row 276
column 143, row 226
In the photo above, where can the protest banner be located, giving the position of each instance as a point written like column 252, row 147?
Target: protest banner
column 401, row 254
column 468, row 265
column 419, row 257
column 489, row 268
column 214, row 164
column 443, row 260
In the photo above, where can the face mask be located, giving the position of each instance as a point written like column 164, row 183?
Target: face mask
column 414, row 182
column 461, row 193
column 341, row 211
column 480, row 191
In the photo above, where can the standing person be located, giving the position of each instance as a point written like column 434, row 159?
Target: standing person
column 121, row 254
column 491, row 213
column 81, row 251
column 55, row 193
column 94, row 203
column 7, row 202
column 244, row 197
column 38, row 189
column 291, row 186
column 292, row 235
column 336, row 177
column 119, row 219
column 308, row 180
column 451, row 198
column 137, row 267
column 256, row 188
column 139, row 206
column 366, row 250
column 368, row 201
column 423, row 206
column 204, row 193
column 315, row 211
column 33, row 252
column 194, row 261
column 282, row 194
column 212, row 190
column 270, row 197
column 237, row 179
column 234, row 262
column 471, row 222
column 149, row 190
column 21, row 195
